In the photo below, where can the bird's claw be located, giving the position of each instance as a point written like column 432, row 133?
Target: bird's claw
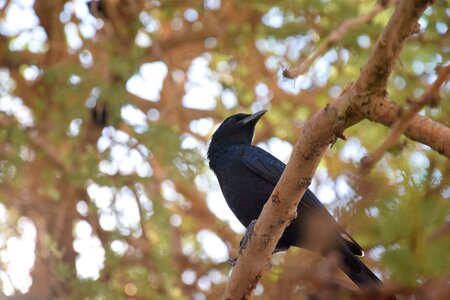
column 232, row 261
column 243, row 244
column 247, row 236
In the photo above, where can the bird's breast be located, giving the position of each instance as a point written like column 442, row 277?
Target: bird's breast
column 244, row 192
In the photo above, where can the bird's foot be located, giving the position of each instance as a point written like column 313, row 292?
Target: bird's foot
column 247, row 236
column 232, row 261
column 243, row 244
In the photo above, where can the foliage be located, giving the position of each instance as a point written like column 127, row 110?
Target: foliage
column 103, row 155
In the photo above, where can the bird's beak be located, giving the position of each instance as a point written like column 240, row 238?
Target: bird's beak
column 253, row 117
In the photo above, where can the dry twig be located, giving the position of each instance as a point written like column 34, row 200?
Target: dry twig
column 334, row 37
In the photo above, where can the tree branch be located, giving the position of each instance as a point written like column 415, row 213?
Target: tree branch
column 321, row 130
column 4, row 8
column 421, row 129
column 430, row 97
column 335, row 36
column 384, row 56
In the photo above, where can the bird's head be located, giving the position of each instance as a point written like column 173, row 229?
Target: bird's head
column 236, row 129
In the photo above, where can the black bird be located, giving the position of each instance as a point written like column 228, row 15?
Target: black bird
column 247, row 176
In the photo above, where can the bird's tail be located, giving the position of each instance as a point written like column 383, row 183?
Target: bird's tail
column 362, row 276
column 358, row 272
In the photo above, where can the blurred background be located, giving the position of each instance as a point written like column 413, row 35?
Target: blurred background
column 106, row 110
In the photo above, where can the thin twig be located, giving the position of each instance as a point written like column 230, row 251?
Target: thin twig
column 430, row 97
column 4, row 8
column 335, row 36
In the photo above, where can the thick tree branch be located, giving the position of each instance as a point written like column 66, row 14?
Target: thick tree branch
column 315, row 137
column 335, row 36
column 430, row 97
column 420, row 129
column 384, row 56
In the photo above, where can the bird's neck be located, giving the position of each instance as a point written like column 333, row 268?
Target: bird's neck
column 217, row 150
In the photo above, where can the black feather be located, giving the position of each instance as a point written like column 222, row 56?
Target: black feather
column 247, row 176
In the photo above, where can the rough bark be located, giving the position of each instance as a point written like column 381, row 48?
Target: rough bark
column 420, row 129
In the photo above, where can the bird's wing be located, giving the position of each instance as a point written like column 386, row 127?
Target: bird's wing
column 264, row 164
column 311, row 201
